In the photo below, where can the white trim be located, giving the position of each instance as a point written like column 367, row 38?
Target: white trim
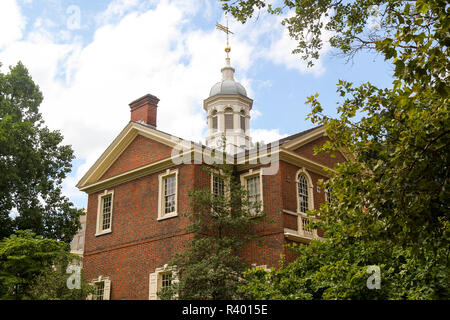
column 98, row 230
column 120, row 143
column 161, row 202
column 304, row 139
column 290, row 212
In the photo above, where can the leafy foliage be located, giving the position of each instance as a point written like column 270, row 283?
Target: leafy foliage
column 32, row 267
column 391, row 199
column 33, row 164
column 211, row 266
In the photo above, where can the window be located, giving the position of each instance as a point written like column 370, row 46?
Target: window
column 166, row 280
column 253, row 187
column 252, row 181
column 242, row 120
column 229, row 119
column 102, row 289
column 214, row 120
column 105, row 211
column 168, row 194
column 218, row 186
column 162, row 278
column 99, row 290
column 304, row 203
column 302, row 193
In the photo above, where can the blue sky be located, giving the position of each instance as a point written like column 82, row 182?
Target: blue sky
column 91, row 58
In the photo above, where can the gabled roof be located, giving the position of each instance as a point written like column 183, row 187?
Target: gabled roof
column 93, row 179
column 119, row 144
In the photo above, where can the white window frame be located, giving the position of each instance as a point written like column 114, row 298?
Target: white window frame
column 302, row 216
column 106, row 288
column 155, row 280
column 99, row 229
column 161, row 201
column 226, row 185
column 250, row 174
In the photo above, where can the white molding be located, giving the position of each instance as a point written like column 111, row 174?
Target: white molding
column 120, row 143
column 290, row 212
column 304, row 139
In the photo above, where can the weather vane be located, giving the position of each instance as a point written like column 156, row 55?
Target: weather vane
column 227, row 31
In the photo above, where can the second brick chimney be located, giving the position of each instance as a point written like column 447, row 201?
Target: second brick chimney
column 144, row 109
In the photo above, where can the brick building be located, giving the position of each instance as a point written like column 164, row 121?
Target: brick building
column 140, row 184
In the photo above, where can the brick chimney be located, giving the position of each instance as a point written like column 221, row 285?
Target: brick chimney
column 144, row 109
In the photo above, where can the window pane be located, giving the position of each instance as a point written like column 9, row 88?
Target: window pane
column 253, row 187
column 106, row 212
column 169, row 194
column 218, row 186
column 302, row 193
column 99, row 290
column 166, row 280
column 242, row 123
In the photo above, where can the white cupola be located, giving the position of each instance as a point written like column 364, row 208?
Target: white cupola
column 228, row 113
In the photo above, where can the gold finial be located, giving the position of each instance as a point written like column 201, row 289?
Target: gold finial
column 227, row 31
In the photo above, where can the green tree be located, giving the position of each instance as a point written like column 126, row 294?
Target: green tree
column 391, row 199
column 221, row 224
column 33, row 164
column 32, row 267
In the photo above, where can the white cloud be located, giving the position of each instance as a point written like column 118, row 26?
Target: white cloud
column 117, row 8
column 255, row 114
column 12, row 22
column 266, row 135
column 280, row 51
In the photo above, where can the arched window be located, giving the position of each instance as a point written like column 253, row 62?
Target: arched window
column 214, row 120
column 303, row 193
column 228, row 119
column 242, row 116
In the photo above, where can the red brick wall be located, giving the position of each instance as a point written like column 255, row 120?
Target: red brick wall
column 139, row 243
column 140, row 152
column 307, row 151
column 129, row 267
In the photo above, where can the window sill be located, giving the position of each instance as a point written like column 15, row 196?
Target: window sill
column 168, row 216
column 103, row 232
